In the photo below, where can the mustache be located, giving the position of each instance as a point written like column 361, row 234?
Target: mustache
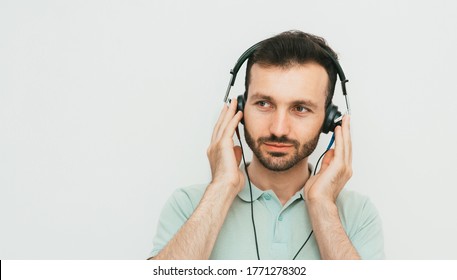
column 280, row 140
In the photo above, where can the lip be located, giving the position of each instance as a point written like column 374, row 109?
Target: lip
column 279, row 147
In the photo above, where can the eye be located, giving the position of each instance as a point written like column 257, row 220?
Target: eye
column 301, row 109
column 263, row 104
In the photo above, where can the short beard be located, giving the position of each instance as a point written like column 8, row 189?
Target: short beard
column 277, row 161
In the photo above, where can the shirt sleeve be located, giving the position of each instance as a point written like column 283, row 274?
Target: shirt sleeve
column 368, row 238
column 175, row 213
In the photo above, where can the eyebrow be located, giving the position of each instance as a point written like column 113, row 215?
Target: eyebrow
column 308, row 103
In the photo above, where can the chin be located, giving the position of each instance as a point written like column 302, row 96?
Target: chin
column 279, row 163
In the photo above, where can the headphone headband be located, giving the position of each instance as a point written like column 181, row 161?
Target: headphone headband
column 247, row 54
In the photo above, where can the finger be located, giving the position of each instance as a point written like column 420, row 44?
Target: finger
column 238, row 154
column 232, row 125
column 328, row 157
column 339, row 145
column 346, row 130
column 226, row 119
column 219, row 121
column 219, row 127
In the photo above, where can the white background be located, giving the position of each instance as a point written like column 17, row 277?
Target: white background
column 106, row 107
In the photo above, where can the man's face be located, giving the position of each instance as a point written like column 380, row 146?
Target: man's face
column 284, row 113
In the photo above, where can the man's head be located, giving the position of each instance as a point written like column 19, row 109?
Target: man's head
column 289, row 82
column 294, row 48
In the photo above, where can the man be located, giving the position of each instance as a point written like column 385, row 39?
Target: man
column 290, row 81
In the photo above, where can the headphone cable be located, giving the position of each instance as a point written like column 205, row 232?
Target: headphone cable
column 314, row 173
column 332, row 140
column 250, row 192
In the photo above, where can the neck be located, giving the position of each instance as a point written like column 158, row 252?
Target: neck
column 284, row 183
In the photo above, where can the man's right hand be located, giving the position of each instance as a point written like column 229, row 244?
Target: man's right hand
column 196, row 238
column 224, row 157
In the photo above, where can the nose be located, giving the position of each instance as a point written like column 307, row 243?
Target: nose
column 280, row 123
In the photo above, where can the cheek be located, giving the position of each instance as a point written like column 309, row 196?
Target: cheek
column 315, row 123
column 252, row 128
column 256, row 124
column 306, row 129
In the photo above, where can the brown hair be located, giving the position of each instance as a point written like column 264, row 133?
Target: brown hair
column 291, row 48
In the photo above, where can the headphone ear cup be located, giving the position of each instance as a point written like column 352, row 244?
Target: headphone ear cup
column 331, row 114
column 240, row 105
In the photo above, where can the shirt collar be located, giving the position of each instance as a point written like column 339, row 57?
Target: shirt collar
column 245, row 194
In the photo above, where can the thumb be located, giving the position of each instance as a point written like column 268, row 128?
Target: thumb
column 238, row 154
column 327, row 159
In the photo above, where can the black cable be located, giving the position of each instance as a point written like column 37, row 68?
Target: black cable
column 314, row 173
column 252, row 201
column 306, row 241
column 317, row 163
column 326, row 150
column 250, row 192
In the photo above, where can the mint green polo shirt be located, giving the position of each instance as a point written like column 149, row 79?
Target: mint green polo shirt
column 281, row 230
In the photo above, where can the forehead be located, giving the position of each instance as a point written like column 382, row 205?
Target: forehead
column 291, row 83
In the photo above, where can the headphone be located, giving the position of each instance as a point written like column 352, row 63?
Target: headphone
column 333, row 116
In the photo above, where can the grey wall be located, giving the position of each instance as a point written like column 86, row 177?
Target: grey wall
column 106, row 107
